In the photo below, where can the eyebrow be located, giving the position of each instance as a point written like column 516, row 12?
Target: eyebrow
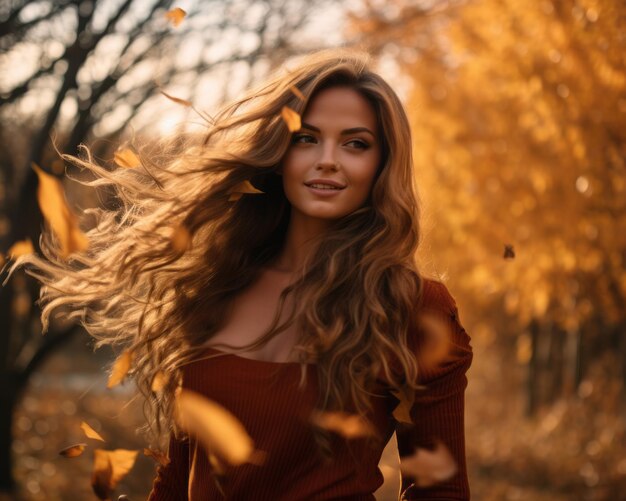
column 344, row 132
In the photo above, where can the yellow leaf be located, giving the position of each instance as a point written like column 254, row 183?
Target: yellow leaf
column 175, row 16
column 291, row 118
column 178, row 100
column 157, row 456
column 242, row 188
column 429, row 467
column 109, row 467
column 121, row 366
column 126, row 158
column 402, row 412
column 296, row 92
column 347, row 425
column 73, row 450
column 181, row 238
column 90, row 432
column 55, row 210
column 158, row 382
column 216, row 429
column 20, row 248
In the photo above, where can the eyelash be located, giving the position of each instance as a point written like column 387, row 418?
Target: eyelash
column 296, row 140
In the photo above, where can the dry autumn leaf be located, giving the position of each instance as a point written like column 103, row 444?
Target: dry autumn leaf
column 347, row 425
column 121, row 366
column 215, row 428
column 109, row 467
column 181, row 238
column 21, row 248
column 175, row 16
column 90, row 432
column 177, row 100
column 73, row 450
column 126, row 158
column 241, row 189
column 158, row 382
column 296, row 92
column 429, row 467
column 402, row 412
column 61, row 219
column 509, row 252
column 158, row 456
column 291, row 118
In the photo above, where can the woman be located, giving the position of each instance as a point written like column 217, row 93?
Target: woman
column 196, row 270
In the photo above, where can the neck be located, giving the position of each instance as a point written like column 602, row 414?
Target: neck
column 301, row 232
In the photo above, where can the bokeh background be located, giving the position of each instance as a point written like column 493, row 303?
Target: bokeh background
column 518, row 111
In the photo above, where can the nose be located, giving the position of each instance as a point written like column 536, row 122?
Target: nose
column 327, row 159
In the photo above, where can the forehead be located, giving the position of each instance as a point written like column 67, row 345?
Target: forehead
column 342, row 107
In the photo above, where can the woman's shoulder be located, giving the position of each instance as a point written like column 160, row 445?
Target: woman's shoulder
column 436, row 296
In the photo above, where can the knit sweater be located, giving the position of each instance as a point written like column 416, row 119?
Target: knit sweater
column 265, row 397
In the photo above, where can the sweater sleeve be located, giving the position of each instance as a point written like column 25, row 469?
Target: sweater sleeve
column 437, row 413
column 171, row 482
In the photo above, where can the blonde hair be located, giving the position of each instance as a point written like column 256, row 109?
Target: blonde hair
column 355, row 300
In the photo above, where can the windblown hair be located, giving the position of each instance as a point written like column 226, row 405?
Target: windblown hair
column 136, row 288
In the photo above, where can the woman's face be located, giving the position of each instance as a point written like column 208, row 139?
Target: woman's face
column 338, row 142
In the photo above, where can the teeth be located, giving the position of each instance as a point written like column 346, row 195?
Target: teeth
column 324, row 186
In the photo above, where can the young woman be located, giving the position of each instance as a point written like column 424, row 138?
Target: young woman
column 299, row 295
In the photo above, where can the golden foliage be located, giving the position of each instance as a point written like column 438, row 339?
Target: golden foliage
column 90, row 432
column 291, row 118
column 120, row 369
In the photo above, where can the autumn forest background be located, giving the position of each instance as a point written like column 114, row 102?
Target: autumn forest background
column 518, row 114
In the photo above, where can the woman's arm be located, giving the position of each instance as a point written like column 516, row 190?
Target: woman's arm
column 171, row 482
column 437, row 414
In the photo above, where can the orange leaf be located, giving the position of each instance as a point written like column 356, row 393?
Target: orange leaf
column 291, row 118
column 73, row 450
column 297, row 92
column 175, row 16
column 242, row 188
column 157, row 455
column 90, row 432
column 20, row 248
column 61, row 219
column 109, row 467
column 126, row 158
column 178, row 100
column 158, row 382
column 402, row 412
column 216, row 428
column 181, row 238
column 121, row 366
column 348, row 425
column 429, row 467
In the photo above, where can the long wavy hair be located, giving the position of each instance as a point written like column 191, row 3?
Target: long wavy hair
column 137, row 287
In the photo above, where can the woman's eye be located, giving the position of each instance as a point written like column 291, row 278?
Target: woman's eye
column 358, row 143
column 302, row 138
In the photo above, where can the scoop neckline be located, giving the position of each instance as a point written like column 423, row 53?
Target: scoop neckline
column 252, row 361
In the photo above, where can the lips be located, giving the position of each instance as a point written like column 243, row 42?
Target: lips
column 327, row 182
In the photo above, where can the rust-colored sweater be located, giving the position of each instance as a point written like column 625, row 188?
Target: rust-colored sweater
column 266, row 399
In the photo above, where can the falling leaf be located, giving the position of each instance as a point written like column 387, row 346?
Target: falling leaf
column 157, row 456
column 181, row 238
column 291, row 118
column 509, row 252
column 297, row 92
column 348, row 425
column 121, row 366
column 429, row 467
column 90, row 432
column 61, row 219
column 21, row 248
column 158, row 382
column 178, row 100
column 126, row 158
column 242, row 188
column 109, row 467
column 73, row 450
column 215, row 427
column 402, row 412
column 175, row 16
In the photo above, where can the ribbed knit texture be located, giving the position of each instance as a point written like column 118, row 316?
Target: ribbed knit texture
column 265, row 398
